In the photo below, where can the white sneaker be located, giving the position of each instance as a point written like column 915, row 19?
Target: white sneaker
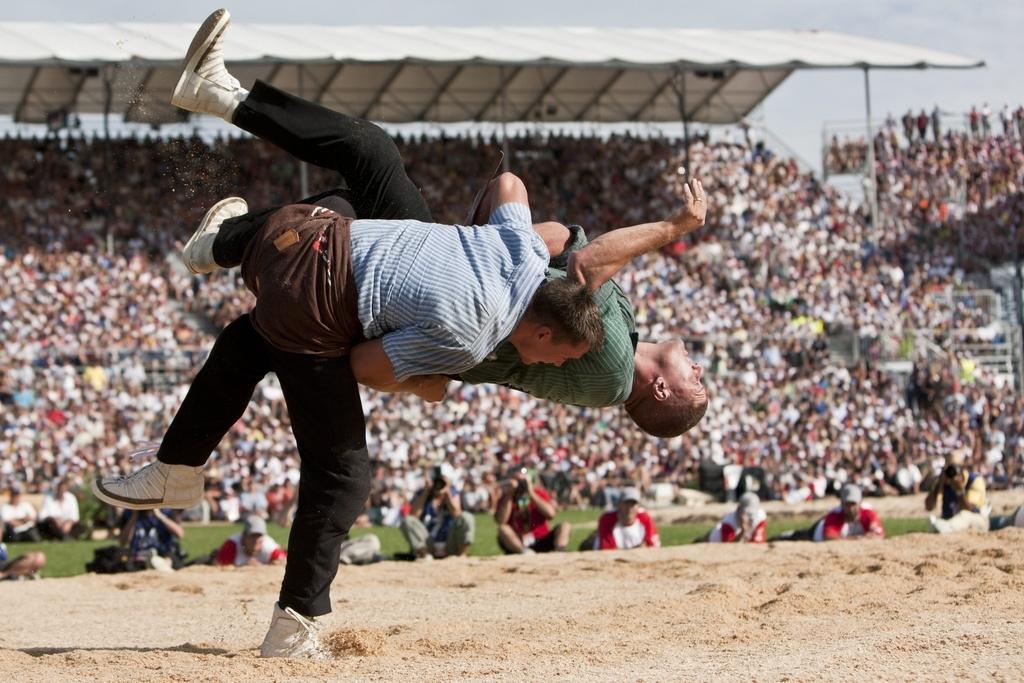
column 198, row 252
column 161, row 564
column 292, row 635
column 205, row 86
column 157, row 485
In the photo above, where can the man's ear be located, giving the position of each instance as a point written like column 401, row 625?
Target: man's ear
column 542, row 333
column 660, row 389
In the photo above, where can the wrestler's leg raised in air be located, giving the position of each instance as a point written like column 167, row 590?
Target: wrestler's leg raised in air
column 361, row 152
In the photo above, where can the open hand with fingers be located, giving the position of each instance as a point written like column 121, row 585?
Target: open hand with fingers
column 695, row 208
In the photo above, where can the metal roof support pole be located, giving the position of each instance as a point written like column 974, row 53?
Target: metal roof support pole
column 872, row 172
column 303, row 169
column 681, row 97
column 108, row 172
column 506, row 158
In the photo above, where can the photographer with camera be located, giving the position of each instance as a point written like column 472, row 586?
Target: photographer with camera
column 963, row 497
column 436, row 526
column 523, row 513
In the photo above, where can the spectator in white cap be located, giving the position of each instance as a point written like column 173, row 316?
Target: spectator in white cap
column 852, row 519
column 252, row 547
column 748, row 523
column 628, row 527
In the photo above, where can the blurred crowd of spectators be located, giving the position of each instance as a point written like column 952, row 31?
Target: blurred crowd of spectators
column 849, row 154
column 99, row 346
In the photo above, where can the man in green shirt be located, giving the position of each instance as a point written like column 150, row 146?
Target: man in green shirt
column 658, row 383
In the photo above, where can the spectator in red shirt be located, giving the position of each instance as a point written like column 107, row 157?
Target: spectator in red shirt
column 523, row 514
column 746, row 524
column 628, row 527
column 252, row 547
column 280, row 499
column 853, row 519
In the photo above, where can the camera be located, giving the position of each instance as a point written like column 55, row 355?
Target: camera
column 439, row 482
column 951, row 472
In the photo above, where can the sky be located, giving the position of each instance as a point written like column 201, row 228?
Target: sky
column 985, row 29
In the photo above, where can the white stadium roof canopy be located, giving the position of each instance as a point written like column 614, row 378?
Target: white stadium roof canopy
column 401, row 74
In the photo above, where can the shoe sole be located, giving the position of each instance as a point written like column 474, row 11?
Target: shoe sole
column 111, row 498
column 201, row 42
column 210, row 216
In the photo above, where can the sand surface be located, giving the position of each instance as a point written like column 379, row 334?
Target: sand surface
column 918, row 607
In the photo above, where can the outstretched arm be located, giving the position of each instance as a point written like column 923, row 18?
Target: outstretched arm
column 600, row 260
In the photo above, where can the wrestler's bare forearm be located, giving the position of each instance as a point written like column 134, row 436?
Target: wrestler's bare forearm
column 600, row 260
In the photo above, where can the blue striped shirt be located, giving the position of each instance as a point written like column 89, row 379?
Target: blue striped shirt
column 444, row 296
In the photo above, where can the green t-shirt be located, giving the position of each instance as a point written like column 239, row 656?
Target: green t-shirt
column 601, row 378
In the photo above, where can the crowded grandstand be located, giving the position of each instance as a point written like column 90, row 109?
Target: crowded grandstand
column 104, row 327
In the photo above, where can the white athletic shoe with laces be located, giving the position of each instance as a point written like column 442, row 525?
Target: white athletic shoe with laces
column 205, row 86
column 293, row 635
column 198, row 252
column 157, row 485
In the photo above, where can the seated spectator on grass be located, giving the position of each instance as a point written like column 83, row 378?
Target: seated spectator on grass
column 251, row 547
column 748, row 523
column 25, row 566
column 853, row 519
column 436, row 526
column 963, row 498
column 19, row 518
column 628, row 527
column 153, row 538
column 476, row 497
column 59, row 514
column 523, row 515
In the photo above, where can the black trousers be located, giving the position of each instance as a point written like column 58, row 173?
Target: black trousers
column 361, row 152
column 321, row 393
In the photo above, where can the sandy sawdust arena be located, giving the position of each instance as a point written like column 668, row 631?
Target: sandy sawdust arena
column 917, row 607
